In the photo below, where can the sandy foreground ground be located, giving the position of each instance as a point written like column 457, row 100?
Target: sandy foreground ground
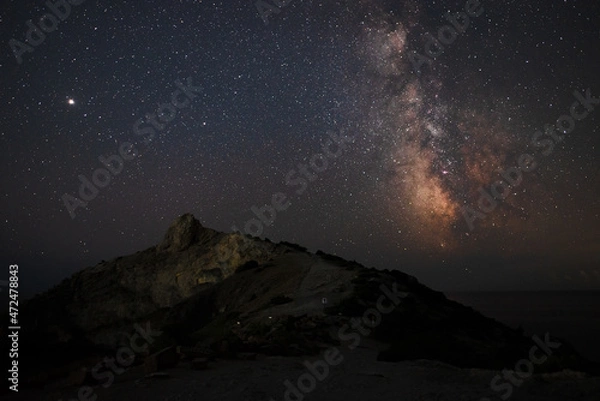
column 359, row 376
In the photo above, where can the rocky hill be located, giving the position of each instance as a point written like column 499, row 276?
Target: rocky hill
column 231, row 296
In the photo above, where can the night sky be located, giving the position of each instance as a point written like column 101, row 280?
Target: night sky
column 368, row 138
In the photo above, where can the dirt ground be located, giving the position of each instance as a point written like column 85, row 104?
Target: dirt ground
column 357, row 376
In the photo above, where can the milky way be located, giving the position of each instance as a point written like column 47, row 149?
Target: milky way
column 426, row 143
column 436, row 154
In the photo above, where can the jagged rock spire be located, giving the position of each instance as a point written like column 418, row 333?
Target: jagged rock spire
column 181, row 234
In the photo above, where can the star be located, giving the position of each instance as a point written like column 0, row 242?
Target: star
column 71, row 101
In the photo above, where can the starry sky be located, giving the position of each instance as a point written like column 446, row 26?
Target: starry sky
column 369, row 129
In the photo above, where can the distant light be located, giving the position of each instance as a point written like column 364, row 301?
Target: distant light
column 71, row 101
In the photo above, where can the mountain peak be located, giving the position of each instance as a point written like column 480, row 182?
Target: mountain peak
column 232, row 294
column 182, row 233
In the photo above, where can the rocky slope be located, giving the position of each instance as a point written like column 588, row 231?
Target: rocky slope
column 232, row 295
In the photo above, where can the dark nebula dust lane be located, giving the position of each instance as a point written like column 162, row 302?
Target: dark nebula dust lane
column 440, row 147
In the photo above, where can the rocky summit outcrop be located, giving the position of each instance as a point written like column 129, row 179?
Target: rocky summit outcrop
column 113, row 294
column 232, row 294
column 185, row 231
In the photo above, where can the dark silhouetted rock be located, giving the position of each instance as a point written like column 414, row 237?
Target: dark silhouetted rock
column 232, row 294
column 164, row 359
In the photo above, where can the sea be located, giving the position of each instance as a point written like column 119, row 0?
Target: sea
column 571, row 315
